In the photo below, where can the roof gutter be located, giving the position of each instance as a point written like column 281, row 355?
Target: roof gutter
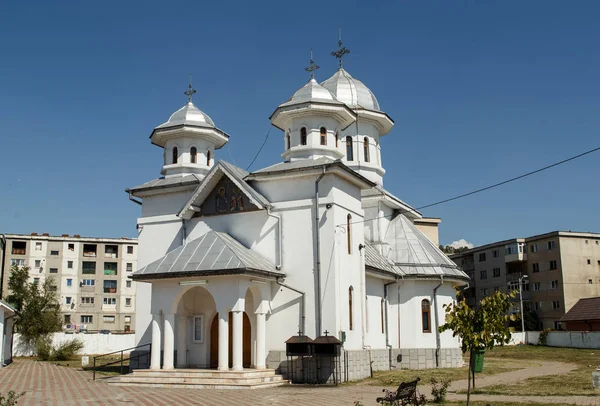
column 132, row 198
column 3, row 240
column 437, row 323
column 317, row 239
column 387, row 330
column 279, row 238
column 302, row 305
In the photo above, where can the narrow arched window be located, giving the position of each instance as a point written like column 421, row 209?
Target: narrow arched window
column 366, row 149
column 323, row 136
column 426, row 315
column 193, row 154
column 175, row 155
column 377, row 153
column 303, row 136
column 382, row 316
column 350, row 311
column 349, row 233
column 337, row 138
column 208, row 158
column 288, row 140
column 349, row 151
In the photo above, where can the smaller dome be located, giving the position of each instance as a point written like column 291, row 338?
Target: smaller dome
column 312, row 91
column 190, row 115
column 351, row 91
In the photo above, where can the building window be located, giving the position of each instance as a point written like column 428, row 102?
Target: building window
column 67, row 319
column 337, row 139
column 426, row 315
column 128, row 302
column 349, row 149
column 551, row 245
column 127, row 319
column 496, row 272
column 556, row 304
column 130, row 249
column 127, row 284
column 87, row 319
column 303, row 136
column 495, row 253
column 349, row 233
column 484, row 291
column 198, row 329
column 366, row 149
column 536, row 286
column 323, row 136
column 70, row 264
column 53, row 252
column 110, row 268
column 496, row 289
column 89, row 250
column 36, row 281
column 554, row 284
column 38, row 246
column 87, row 300
column 482, row 257
column 108, row 319
column 538, row 305
column 111, row 251
column 71, row 247
column 69, row 282
column 288, row 140
column 208, row 158
column 88, row 268
column 110, row 301
column 68, row 300
column 87, row 282
column 193, row 155
column 38, row 263
column 552, row 265
column 174, row 155
column 589, row 261
column 19, row 248
column 350, row 310
column 17, row 262
column 129, row 267
column 53, row 270
column 590, row 282
column 533, row 247
column 483, row 274
column 535, row 267
column 110, row 287
column 382, row 316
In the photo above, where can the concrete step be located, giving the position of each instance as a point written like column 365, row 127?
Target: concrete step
column 158, row 384
column 204, row 373
column 200, row 381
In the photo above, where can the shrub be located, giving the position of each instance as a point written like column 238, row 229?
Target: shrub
column 544, row 336
column 63, row 352
column 439, row 389
column 10, row 399
column 43, row 348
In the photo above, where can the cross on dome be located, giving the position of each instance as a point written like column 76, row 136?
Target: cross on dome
column 341, row 51
column 190, row 92
column 312, row 66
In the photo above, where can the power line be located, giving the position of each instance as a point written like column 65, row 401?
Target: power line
column 495, row 185
column 261, row 148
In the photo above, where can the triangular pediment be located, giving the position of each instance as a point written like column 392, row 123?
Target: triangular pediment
column 223, row 191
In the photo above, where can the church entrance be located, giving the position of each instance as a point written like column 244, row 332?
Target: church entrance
column 246, row 342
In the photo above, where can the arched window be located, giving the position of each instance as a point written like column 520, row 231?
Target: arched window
column 193, row 154
column 288, row 140
column 349, row 233
column 382, row 316
column 337, row 138
column 349, row 151
column 208, row 158
column 366, row 149
column 323, row 136
column 350, row 315
column 175, row 155
column 426, row 315
column 303, row 136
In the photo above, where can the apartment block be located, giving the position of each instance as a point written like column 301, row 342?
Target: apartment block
column 561, row 267
column 90, row 276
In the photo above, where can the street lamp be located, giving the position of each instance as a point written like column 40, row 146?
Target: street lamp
column 521, row 300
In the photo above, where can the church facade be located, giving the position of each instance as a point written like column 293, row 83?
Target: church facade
column 232, row 263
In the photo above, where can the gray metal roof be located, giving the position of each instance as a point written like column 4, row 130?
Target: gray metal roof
column 165, row 183
column 215, row 253
column 299, row 164
column 416, row 255
column 8, row 307
column 351, row 91
column 375, row 260
column 379, row 191
column 311, row 92
column 188, row 115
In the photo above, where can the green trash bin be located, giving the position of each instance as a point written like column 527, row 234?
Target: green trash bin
column 478, row 360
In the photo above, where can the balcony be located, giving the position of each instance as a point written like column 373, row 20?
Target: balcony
column 515, row 252
column 518, row 257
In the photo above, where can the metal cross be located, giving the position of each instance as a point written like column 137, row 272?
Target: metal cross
column 341, row 51
column 300, row 333
column 190, row 92
column 326, row 332
column 312, row 67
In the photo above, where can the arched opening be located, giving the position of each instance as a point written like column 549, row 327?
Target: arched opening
column 288, row 140
column 323, row 133
column 208, row 158
column 246, row 341
column 303, row 136
column 175, row 155
column 366, row 149
column 350, row 309
column 337, row 139
column 426, row 315
column 193, row 155
column 349, row 151
column 349, row 232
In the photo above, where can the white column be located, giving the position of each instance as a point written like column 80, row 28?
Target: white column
column 260, row 341
column 223, row 341
column 169, row 346
column 2, row 337
column 181, row 341
column 237, row 337
column 156, row 342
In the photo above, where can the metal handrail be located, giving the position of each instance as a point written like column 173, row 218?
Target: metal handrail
column 149, row 345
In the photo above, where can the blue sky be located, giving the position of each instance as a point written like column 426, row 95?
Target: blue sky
column 479, row 91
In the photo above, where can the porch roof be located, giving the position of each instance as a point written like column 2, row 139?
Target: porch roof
column 215, row 253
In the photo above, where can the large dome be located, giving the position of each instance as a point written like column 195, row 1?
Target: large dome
column 189, row 115
column 351, row 91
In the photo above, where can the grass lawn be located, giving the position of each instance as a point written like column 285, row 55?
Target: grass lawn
column 577, row 382
column 479, row 403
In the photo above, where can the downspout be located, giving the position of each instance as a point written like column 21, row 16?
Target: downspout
column 302, row 305
column 387, row 333
column 437, row 323
column 279, row 237
column 362, row 309
column 317, row 237
column 183, row 231
column 3, row 239
column 133, row 200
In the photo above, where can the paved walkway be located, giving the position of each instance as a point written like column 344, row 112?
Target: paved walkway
column 47, row 384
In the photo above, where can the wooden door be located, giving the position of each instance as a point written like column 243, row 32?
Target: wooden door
column 246, row 342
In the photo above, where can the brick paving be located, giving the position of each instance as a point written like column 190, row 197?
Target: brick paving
column 48, row 384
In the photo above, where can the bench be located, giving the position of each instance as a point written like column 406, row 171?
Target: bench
column 406, row 394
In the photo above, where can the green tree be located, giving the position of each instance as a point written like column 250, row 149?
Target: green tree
column 480, row 328
column 38, row 312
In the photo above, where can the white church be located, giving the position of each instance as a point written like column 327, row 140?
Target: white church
column 231, row 263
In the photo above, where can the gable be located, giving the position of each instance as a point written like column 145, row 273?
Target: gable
column 226, row 197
